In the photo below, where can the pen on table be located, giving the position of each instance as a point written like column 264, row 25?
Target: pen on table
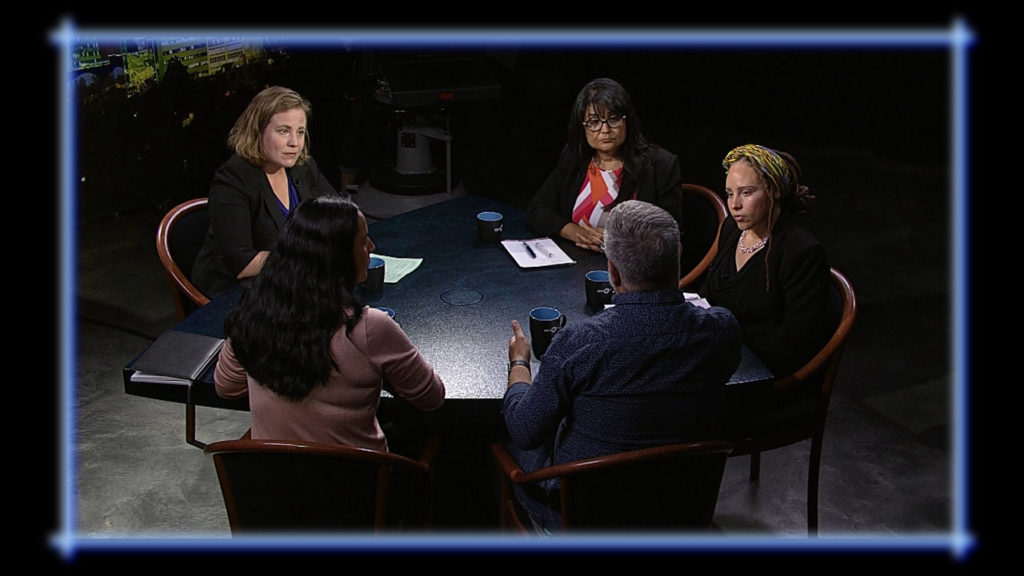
column 528, row 249
column 544, row 251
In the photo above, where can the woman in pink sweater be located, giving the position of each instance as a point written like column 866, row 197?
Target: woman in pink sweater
column 311, row 357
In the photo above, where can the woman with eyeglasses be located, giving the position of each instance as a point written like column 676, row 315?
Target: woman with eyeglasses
column 606, row 161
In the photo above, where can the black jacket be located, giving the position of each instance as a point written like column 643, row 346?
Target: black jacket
column 245, row 218
column 787, row 323
column 551, row 207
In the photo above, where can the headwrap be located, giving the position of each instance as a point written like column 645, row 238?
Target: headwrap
column 777, row 173
column 773, row 169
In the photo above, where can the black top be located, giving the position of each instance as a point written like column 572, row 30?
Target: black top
column 787, row 323
column 551, row 207
column 245, row 218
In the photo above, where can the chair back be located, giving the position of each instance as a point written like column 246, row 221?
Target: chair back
column 179, row 237
column 703, row 214
column 285, row 486
column 803, row 399
column 673, row 487
column 822, row 368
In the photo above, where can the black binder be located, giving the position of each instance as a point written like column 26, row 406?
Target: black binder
column 176, row 356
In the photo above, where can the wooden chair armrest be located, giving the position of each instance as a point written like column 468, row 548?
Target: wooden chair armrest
column 508, row 465
column 514, row 473
column 511, row 470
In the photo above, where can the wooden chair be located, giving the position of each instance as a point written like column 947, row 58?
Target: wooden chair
column 288, row 486
column 800, row 424
column 179, row 237
column 703, row 214
column 672, row 487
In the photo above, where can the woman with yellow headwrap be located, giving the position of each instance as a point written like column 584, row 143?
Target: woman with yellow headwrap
column 770, row 272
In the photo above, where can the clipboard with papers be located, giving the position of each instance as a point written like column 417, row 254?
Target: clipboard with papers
column 536, row 252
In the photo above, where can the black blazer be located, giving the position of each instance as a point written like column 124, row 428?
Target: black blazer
column 551, row 207
column 245, row 218
column 780, row 296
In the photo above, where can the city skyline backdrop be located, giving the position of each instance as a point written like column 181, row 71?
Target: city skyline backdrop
column 142, row 61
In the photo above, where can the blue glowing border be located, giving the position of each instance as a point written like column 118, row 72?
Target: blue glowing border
column 958, row 38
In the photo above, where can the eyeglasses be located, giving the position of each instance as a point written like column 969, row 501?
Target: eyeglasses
column 613, row 122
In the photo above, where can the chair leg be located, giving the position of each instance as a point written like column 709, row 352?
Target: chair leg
column 755, row 465
column 504, row 495
column 431, row 492
column 190, row 426
column 813, row 473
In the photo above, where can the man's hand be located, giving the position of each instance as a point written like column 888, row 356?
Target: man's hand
column 518, row 345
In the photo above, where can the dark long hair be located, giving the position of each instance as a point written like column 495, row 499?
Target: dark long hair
column 609, row 96
column 282, row 326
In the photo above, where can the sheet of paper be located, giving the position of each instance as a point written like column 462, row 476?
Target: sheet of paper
column 696, row 300
column 536, row 252
column 397, row 268
column 158, row 379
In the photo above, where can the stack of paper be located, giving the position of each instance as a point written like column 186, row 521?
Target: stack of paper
column 536, row 252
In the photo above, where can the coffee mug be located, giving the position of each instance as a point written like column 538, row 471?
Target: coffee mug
column 599, row 289
column 374, row 275
column 489, row 226
column 545, row 322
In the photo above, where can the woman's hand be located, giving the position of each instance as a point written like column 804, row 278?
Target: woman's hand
column 590, row 237
column 583, row 235
column 254, row 266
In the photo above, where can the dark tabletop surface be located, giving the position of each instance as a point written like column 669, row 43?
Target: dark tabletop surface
column 457, row 306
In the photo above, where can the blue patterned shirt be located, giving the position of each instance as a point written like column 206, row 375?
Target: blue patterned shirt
column 649, row 371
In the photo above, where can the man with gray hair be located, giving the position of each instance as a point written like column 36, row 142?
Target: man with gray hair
column 649, row 371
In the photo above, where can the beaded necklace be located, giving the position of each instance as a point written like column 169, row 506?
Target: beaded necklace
column 750, row 249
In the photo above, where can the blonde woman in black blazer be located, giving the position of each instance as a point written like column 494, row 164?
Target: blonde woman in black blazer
column 270, row 172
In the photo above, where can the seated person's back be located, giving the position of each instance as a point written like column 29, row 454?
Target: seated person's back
column 650, row 371
column 309, row 355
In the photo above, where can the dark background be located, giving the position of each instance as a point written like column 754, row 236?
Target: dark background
column 696, row 102
column 836, row 110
